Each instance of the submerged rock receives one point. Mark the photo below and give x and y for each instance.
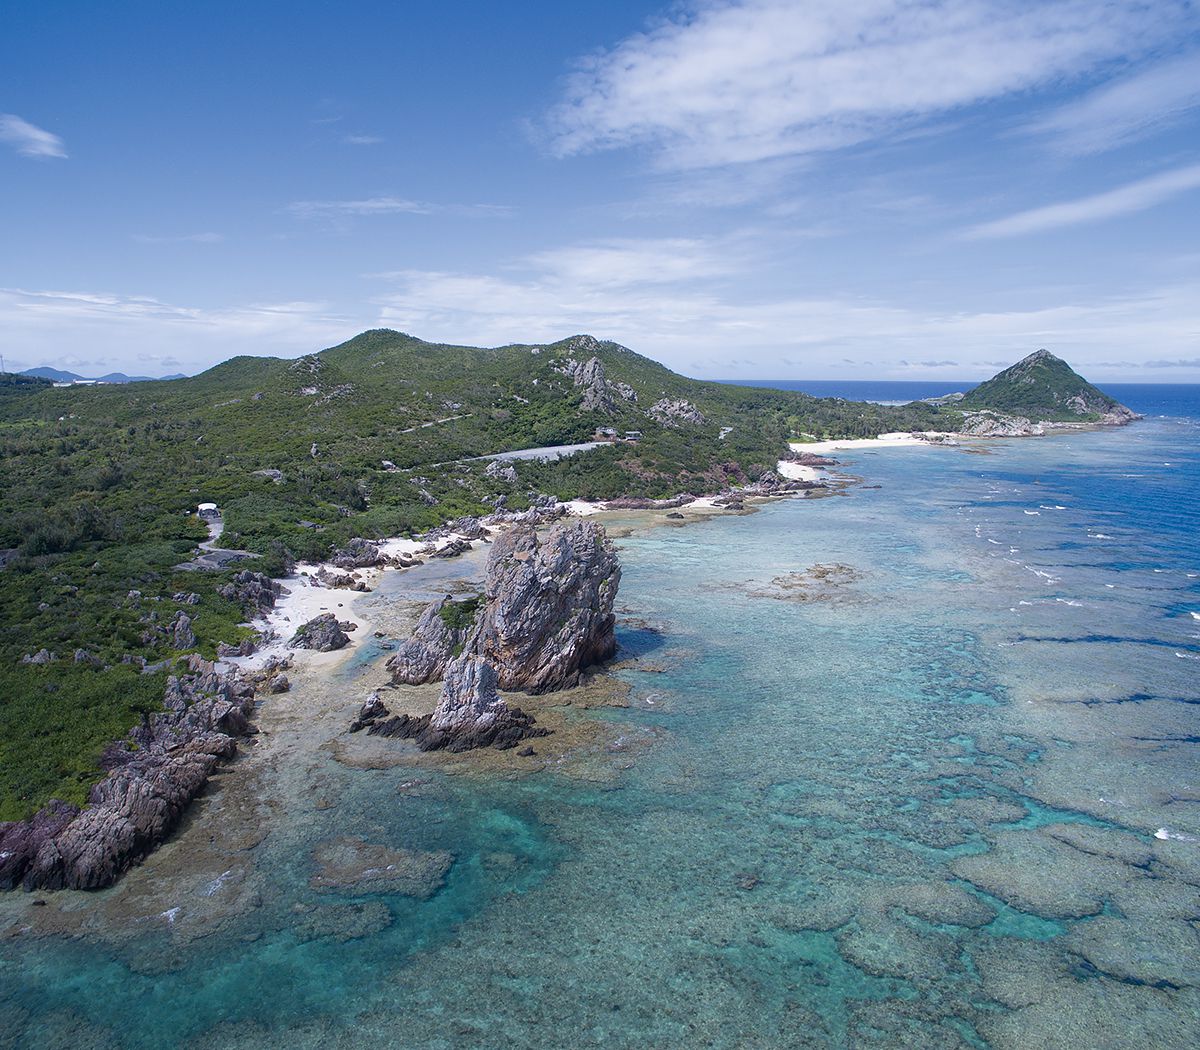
(366, 867)
(323, 634)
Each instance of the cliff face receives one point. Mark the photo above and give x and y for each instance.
(547, 610)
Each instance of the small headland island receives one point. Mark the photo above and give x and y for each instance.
(175, 553)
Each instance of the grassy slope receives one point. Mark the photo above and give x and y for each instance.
(1039, 388)
(98, 483)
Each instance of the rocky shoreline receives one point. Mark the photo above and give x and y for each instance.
(152, 777)
(544, 620)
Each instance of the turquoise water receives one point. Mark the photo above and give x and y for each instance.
(918, 810)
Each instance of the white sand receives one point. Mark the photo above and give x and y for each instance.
(931, 438)
(307, 599)
(797, 471)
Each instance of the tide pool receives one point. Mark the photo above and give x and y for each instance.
(917, 803)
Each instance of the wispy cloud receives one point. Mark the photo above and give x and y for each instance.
(187, 238)
(114, 326)
(1125, 200)
(374, 206)
(701, 328)
(1124, 111)
(28, 139)
(735, 81)
(363, 140)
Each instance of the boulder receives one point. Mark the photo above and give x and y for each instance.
(182, 635)
(324, 634)
(253, 591)
(357, 554)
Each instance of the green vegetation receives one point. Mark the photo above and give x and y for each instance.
(459, 616)
(374, 438)
(1043, 388)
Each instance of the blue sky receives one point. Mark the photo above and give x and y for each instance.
(829, 189)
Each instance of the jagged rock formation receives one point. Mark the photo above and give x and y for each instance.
(423, 656)
(323, 633)
(671, 412)
(253, 591)
(470, 714)
(357, 554)
(598, 390)
(153, 775)
(546, 612)
(182, 635)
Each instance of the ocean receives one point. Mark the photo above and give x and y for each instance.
(913, 765)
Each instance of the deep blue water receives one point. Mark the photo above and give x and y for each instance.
(1175, 399)
(950, 799)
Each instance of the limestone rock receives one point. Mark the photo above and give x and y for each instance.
(153, 775)
(182, 635)
(357, 554)
(324, 634)
(253, 591)
(424, 656)
(671, 412)
(548, 605)
(470, 714)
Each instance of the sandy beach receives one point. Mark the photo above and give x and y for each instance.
(895, 440)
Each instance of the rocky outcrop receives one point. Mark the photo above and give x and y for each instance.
(324, 634)
(997, 424)
(470, 714)
(598, 390)
(357, 554)
(671, 412)
(253, 591)
(498, 470)
(153, 775)
(182, 635)
(423, 656)
(546, 612)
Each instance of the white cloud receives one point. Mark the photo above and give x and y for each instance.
(704, 333)
(1125, 200)
(1125, 110)
(362, 140)
(28, 139)
(626, 262)
(334, 210)
(731, 82)
(118, 329)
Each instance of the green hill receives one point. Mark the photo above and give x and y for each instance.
(1043, 388)
(375, 437)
